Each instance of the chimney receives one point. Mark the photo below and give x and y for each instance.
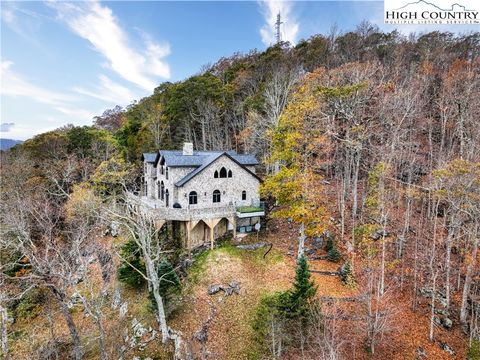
(187, 149)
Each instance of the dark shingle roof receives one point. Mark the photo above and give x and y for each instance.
(175, 158)
(149, 157)
(199, 169)
(199, 160)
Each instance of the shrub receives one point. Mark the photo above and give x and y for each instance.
(270, 323)
(280, 315)
(346, 274)
(29, 306)
(333, 254)
(474, 350)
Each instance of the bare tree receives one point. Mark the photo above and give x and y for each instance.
(143, 228)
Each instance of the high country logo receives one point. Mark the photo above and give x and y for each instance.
(425, 12)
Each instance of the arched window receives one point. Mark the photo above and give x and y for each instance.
(223, 172)
(192, 198)
(216, 196)
(244, 195)
(166, 172)
(166, 198)
(215, 175)
(229, 173)
(162, 190)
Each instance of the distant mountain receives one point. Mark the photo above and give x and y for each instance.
(6, 144)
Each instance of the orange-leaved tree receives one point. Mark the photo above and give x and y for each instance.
(297, 146)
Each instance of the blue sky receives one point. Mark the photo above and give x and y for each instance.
(65, 62)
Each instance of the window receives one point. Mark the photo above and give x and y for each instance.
(216, 174)
(244, 195)
(161, 169)
(162, 191)
(166, 172)
(166, 198)
(216, 196)
(159, 190)
(230, 173)
(192, 198)
(223, 172)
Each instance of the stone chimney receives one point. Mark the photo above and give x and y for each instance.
(187, 149)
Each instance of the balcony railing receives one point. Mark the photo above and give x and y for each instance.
(185, 214)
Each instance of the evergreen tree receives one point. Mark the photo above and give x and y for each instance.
(126, 273)
(332, 252)
(303, 291)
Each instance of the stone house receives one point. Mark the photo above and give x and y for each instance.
(202, 194)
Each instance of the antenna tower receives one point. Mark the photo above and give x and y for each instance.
(277, 29)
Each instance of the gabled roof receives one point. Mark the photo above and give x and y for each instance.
(149, 157)
(210, 160)
(175, 158)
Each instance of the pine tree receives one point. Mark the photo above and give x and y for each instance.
(126, 273)
(304, 289)
(332, 252)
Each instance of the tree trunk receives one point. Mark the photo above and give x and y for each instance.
(301, 241)
(468, 280)
(77, 345)
(448, 252)
(3, 332)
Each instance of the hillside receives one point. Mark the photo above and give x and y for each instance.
(369, 153)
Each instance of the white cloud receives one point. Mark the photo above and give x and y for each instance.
(6, 127)
(15, 85)
(98, 25)
(109, 91)
(289, 28)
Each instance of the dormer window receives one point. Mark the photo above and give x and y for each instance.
(223, 172)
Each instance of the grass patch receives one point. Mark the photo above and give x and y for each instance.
(249, 209)
(198, 267)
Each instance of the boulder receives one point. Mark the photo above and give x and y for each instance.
(114, 229)
(447, 323)
(252, 246)
(138, 329)
(447, 348)
(201, 335)
(116, 298)
(213, 289)
(233, 287)
(421, 353)
(317, 242)
(378, 234)
(123, 309)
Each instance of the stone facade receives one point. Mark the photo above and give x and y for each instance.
(202, 198)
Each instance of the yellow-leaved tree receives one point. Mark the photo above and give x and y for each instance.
(296, 155)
